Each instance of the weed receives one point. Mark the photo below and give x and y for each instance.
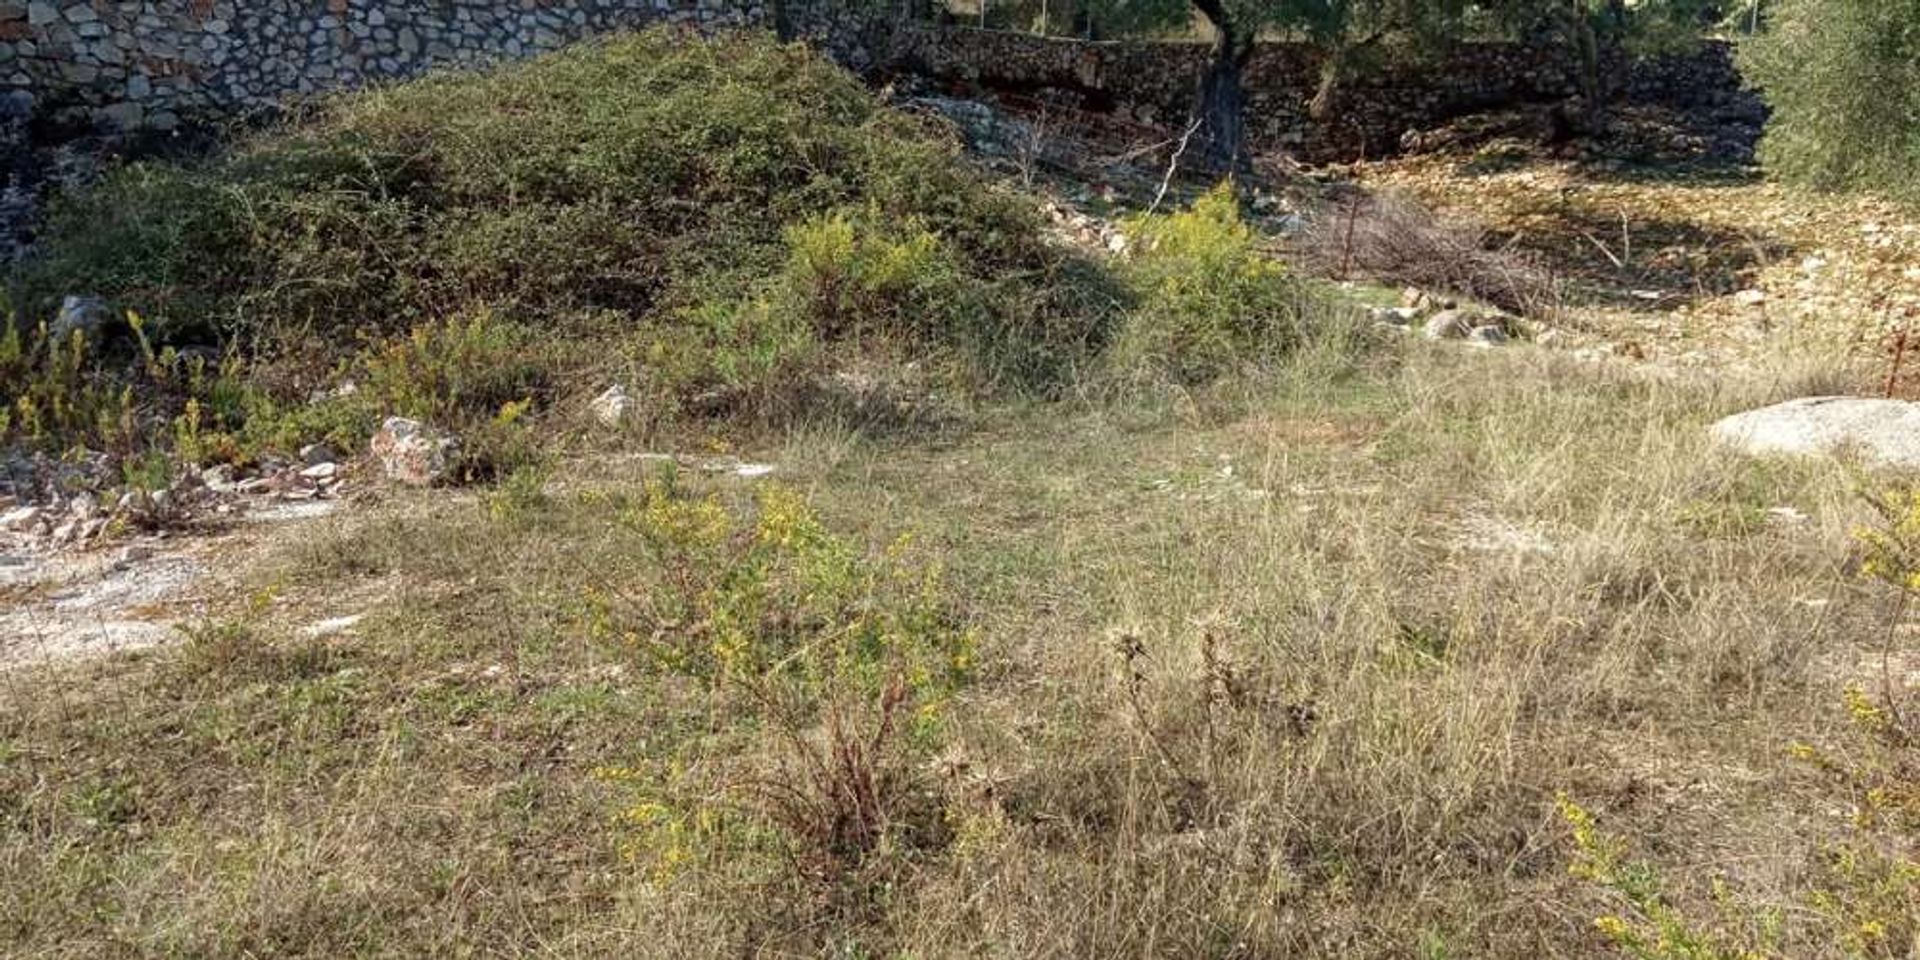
(852, 660)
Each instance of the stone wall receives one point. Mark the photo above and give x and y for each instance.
(135, 63)
(1153, 83)
(124, 64)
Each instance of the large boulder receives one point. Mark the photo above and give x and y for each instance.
(1884, 433)
(413, 453)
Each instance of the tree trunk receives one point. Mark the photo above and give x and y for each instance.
(1219, 110)
(1578, 30)
(1325, 96)
(782, 21)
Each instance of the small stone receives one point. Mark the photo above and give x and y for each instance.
(612, 407)
(413, 453)
(334, 626)
(1750, 298)
(1487, 336)
(1445, 325)
(321, 471)
(20, 519)
(89, 315)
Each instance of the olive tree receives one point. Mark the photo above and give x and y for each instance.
(1843, 79)
(1340, 29)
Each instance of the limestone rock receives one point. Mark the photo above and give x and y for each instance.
(20, 519)
(413, 453)
(1487, 335)
(1446, 325)
(612, 407)
(89, 315)
(1883, 433)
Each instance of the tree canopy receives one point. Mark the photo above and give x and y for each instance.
(1843, 79)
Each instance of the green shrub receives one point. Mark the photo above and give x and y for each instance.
(610, 176)
(1843, 79)
(853, 658)
(53, 394)
(1206, 299)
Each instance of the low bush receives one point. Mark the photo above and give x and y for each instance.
(1206, 300)
(735, 216)
(633, 175)
(850, 659)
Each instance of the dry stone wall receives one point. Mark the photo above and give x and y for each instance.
(128, 64)
(1152, 83)
(146, 63)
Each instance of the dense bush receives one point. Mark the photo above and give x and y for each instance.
(642, 176)
(1843, 79)
(1206, 299)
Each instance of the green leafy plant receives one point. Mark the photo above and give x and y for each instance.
(1206, 298)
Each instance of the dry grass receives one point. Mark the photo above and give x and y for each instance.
(1253, 681)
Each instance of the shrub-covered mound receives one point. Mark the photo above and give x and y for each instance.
(725, 211)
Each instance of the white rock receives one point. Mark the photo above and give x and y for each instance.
(218, 477)
(1489, 335)
(321, 471)
(1446, 325)
(333, 626)
(413, 453)
(1750, 298)
(1881, 432)
(612, 407)
(314, 454)
(20, 518)
(88, 315)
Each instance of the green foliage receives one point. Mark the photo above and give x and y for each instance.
(1843, 79)
(775, 598)
(601, 178)
(1893, 543)
(737, 215)
(1648, 927)
(52, 395)
(446, 371)
(1206, 299)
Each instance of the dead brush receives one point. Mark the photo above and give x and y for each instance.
(1393, 239)
(1222, 705)
(839, 794)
